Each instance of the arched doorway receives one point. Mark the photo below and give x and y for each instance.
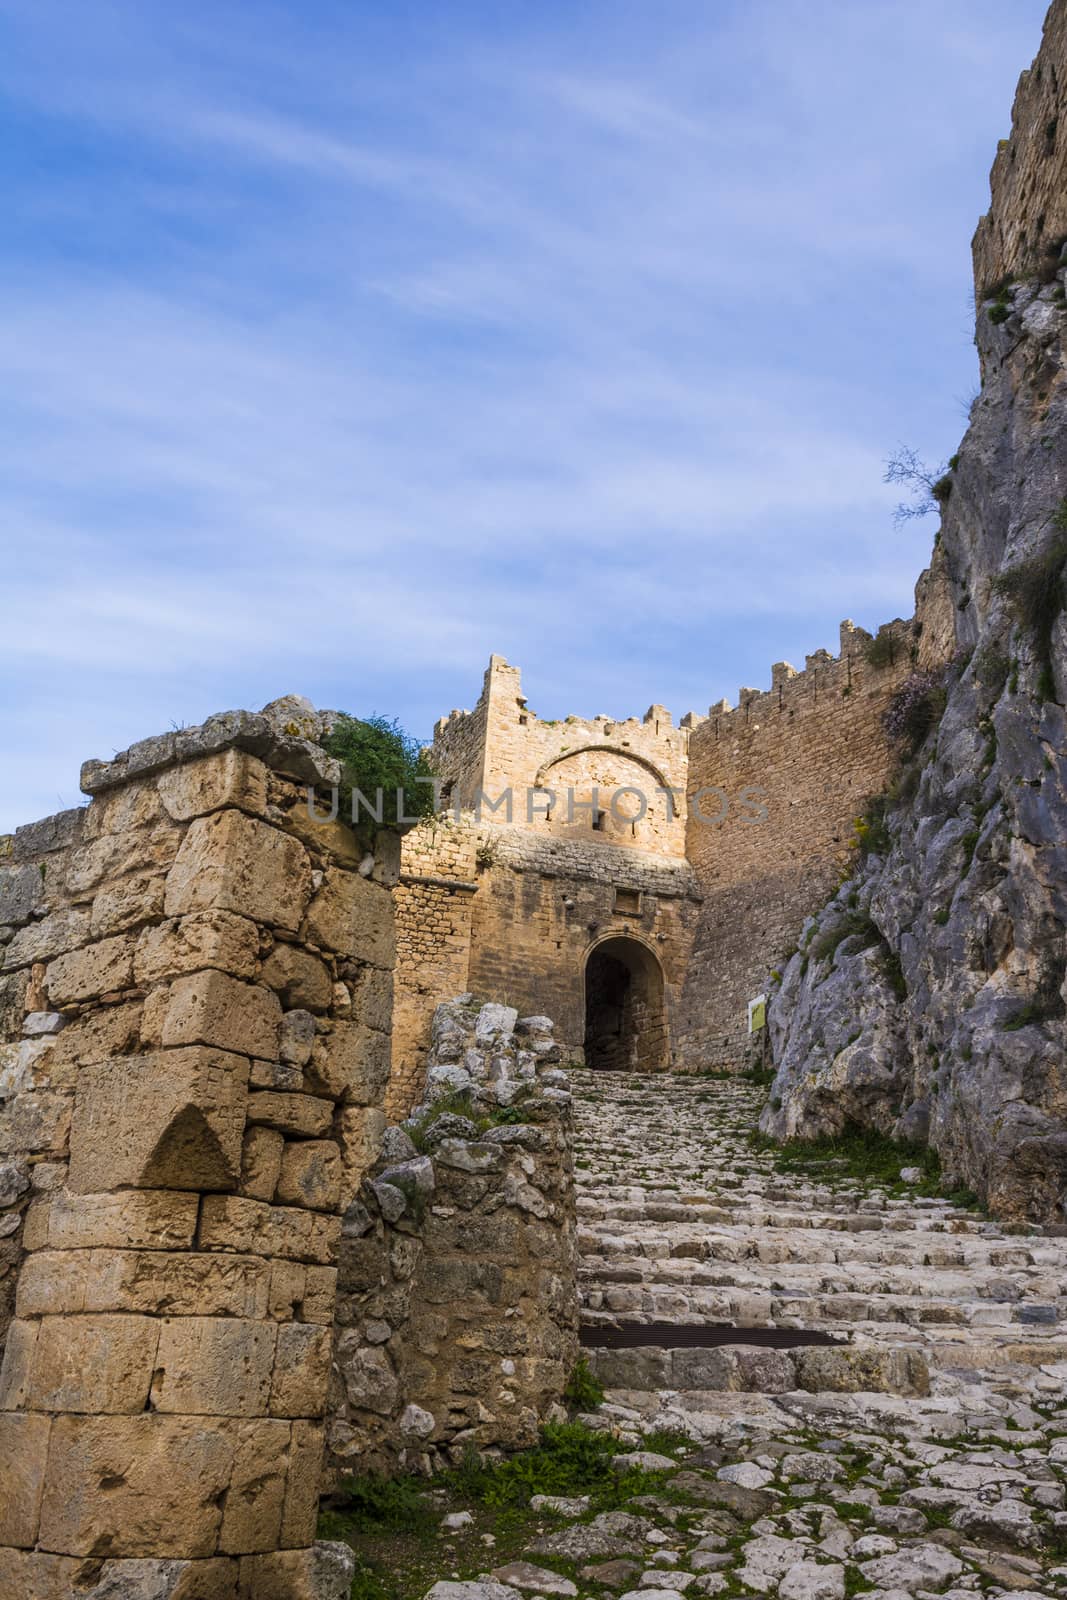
(625, 1022)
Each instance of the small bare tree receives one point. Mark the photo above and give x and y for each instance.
(929, 487)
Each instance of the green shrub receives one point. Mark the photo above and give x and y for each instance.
(376, 754)
(570, 1459)
(583, 1391)
(991, 667)
(379, 1502)
(1000, 310)
(855, 924)
(895, 973)
(1035, 591)
(881, 650)
(870, 830)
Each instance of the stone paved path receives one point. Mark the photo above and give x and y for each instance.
(682, 1221)
(927, 1458)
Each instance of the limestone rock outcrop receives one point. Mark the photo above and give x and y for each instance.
(928, 997)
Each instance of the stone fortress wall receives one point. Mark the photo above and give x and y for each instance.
(513, 909)
(1026, 224)
(815, 748)
(194, 1013)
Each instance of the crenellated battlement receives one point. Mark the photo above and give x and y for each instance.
(824, 679)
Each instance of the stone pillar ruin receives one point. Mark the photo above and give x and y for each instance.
(195, 996)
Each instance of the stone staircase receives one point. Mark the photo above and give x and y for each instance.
(683, 1222)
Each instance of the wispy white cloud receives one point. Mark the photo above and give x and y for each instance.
(338, 356)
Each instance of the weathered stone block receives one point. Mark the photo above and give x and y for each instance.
(372, 998)
(170, 1119)
(301, 1509)
(134, 806)
(214, 1366)
(229, 778)
(16, 1370)
(311, 1175)
(261, 1162)
(351, 1062)
(276, 1075)
(212, 1008)
(297, 1037)
(302, 1294)
(21, 891)
(187, 944)
(152, 1282)
(361, 1130)
(23, 1453)
(116, 855)
(136, 1486)
(229, 1222)
(100, 968)
(301, 1370)
(304, 1115)
(152, 1220)
(52, 1281)
(13, 989)
(60, 931)
(252, 1518)
(353, 916)
(106, 1032)
(231, 862)
(299, 978)
(36, 1120)
(57, 832)
(852, 1370)
(37, 1575)
(288, 1284)
(323, 1572)
(97, 1364)
(369, 1379)
(632, 1369)
(127, 903)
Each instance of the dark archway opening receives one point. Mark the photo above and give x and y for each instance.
(625, 1022)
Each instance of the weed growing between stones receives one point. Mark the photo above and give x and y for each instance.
(859, 1153)
(406, 1531)
(583, 1391)
(482, 1114)
(870, 830)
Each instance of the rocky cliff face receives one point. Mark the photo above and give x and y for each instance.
(928, 997)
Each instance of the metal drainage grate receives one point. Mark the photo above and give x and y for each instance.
(685, 1336)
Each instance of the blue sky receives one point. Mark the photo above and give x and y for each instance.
(344, 344)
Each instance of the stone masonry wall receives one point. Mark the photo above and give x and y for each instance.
(542, 906)
(502, 745)
(718, 903)
(195, 999)
(1025, 228)
(457, 1309)
(815, 748)
(433, 938)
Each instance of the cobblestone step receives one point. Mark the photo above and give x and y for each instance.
(683, 1220)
